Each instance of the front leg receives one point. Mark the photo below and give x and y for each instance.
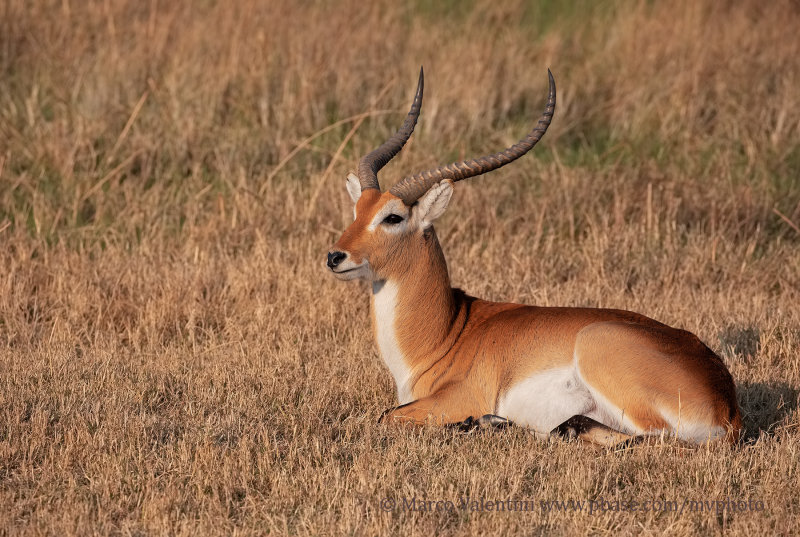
(422, 411)
(441, 408)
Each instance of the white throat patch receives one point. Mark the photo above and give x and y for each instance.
(384, 296)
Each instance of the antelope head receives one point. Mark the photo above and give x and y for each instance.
(390, 227)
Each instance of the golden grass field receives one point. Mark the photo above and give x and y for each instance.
(175, 359)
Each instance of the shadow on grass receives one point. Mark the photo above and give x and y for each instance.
(766, 407)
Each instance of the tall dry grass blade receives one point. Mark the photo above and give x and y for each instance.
(304, 143)
(128, 124)
(337, 155)
(786, 219)
(111, 174)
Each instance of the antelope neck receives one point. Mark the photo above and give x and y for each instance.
(414, 317)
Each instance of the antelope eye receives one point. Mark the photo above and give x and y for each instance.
(393, 219)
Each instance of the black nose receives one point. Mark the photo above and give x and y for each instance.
(334, 258)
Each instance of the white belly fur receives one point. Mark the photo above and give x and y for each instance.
(384, 301)
(546, 399)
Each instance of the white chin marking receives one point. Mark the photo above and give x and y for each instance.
(351, 271)
(351, 274)
(385, 300)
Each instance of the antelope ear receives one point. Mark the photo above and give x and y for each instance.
(353, 187)
(432, 205)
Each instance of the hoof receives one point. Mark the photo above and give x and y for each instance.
(465, 426)
(487, 421)
(495, 422)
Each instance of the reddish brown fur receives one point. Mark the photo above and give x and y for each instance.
(465, 352)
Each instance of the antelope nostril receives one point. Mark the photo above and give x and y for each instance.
(334, 258)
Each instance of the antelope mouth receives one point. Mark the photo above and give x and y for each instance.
(351, 273)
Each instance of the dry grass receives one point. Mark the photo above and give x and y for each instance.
(174, 358)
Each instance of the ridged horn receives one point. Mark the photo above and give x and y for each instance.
(370, 164)
(410, 188)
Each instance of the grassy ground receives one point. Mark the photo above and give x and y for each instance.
(174, 358)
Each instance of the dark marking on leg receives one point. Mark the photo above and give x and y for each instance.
(594, 432)
(388, 410)
(495, 422)
(487, 421)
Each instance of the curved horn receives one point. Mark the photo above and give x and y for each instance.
(370, 164)
(412, 187)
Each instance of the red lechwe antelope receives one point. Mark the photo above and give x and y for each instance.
(605, 375)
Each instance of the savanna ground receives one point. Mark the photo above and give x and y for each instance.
(174, 358)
